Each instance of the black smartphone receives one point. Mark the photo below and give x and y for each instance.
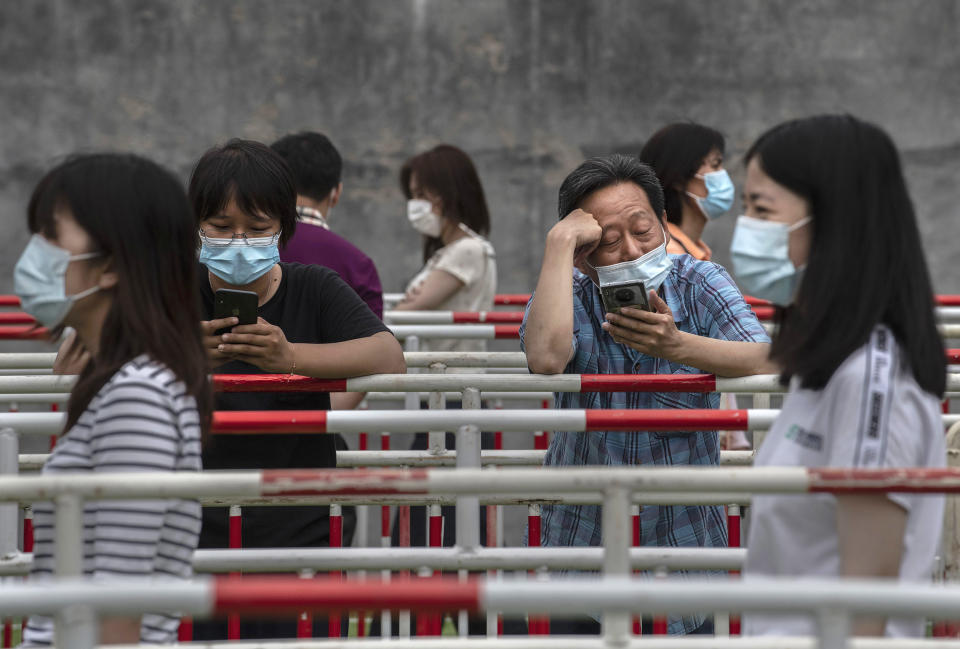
(229, 303)
(624, 294)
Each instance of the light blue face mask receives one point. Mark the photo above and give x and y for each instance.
(239, 261)
(720, 193)
(651, 269)
(761, 260)
(39, 280)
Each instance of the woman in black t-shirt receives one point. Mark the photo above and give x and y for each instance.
(310, 323)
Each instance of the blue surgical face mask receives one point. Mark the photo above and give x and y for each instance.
(651, 269)
(761, 260)
(239, 261)
(39, 280)
(720, 192)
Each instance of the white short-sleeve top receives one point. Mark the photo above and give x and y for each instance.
(471, 259)
(871, 414)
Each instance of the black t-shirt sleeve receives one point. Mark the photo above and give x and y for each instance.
(344, 316)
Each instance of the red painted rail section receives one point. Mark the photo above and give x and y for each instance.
(278, 595)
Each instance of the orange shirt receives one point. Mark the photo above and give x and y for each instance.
(680, 243)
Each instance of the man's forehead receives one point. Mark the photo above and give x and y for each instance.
(622, 200)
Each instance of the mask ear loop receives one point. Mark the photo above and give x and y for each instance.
(799, 224)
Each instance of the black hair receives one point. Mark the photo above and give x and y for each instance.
(866, 264)
(448, 172)
(138, 216)
(604, 171)
(250, 173)
(675, 152)
(314, 161)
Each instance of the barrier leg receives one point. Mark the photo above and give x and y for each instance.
(616, 524)
(28, 546)
(75, 627)
(660, 620)
(635, 542)
(235, 542)
(536, 624)
(336, 541)
(468, 507)
(403, 522)
(495, 535)
(386, 617)
(430, 623)
(493, 618)
(733, 541)
(361, 535)
(411, 401)
(9, 512)
(834, 628)
(53, 438)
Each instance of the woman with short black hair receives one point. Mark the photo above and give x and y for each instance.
(688, 161)
(858, 344)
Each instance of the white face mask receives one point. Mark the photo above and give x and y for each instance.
(651, 269)
(760, 252)
(422, 217)
(39, 279)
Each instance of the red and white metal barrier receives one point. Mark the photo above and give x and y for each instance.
(761, 383)
(521, 299)
(421, 332)
(501, 299)
(320, 560)
(277, 483)
(449, 317)
(242, 422)
(945, 314)
(825, 599)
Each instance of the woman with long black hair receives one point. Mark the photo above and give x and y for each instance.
(112, 257)
(830, 236)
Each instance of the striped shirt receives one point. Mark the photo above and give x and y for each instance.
(704, 301)
(140, 420)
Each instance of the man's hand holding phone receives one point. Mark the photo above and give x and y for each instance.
(649, 332)
(212, 340)
(261, 344)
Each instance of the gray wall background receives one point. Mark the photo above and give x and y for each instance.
(527, 87)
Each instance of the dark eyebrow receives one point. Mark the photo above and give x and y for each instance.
(753, 196)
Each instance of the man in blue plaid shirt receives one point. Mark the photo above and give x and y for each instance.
(612, 229)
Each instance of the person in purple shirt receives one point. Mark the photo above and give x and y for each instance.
(316, 167)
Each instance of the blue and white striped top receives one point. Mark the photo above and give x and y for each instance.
(140, 420)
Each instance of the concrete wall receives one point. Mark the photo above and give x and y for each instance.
(527, 87)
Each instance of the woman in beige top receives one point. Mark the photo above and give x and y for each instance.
(446, 204)
(688, 160)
